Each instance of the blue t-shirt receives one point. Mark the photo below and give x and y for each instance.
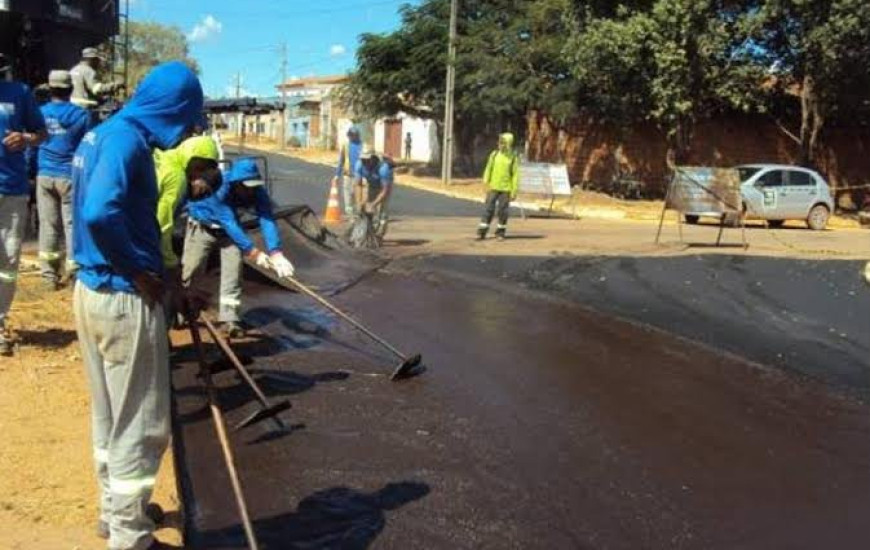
(382, 175)
(67, 124)
(18, 113)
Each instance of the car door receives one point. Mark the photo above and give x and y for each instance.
(770, 185)
(798, 193)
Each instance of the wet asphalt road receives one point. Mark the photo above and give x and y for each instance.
(540, 423)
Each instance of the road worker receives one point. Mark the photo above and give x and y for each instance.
(119, 292)
(87, 90)
(501, 178)
(373, 185)
(67, 125)
(344, 172)
(214, 222)
(21, 126)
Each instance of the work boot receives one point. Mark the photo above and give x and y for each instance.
(481, 233)
(500, 234)
(153, 511)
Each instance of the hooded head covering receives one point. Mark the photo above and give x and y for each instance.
(199, 147)
(166, 104)
(507, 140)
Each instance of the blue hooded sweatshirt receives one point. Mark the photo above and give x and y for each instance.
(115, 231)
(219, 210)
(19, 112)
(67, 125)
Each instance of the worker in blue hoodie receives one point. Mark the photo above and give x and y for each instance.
(66, 124)
(213, 222)
(119, 288)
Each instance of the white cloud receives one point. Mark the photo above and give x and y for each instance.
(337, 50)
(205, 29)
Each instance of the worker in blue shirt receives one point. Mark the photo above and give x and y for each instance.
(21, 126)
(213, 222)
(67, 125)
(344, 172)
(118, 295)
(373, 184)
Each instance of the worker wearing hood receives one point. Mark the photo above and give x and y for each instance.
(502, 179)
(117, 299)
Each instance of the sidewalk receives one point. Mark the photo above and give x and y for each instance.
(583, 204)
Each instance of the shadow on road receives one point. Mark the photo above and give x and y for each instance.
(337, 518)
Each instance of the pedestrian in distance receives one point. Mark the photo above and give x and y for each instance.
(347, 160)
(408, 143)
(213, 222)
(501, 178)
(88, 92)
(21, 126)
(66, 124)
(118, 297)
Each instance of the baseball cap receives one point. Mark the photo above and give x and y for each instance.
(368, 154)
(59, 79)
(246, 172)
(91, 53)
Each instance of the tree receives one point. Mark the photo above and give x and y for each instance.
(670, 61)
(151, 44)
(821, 50)
(508, 61)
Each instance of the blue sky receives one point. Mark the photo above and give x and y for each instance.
(243, 36)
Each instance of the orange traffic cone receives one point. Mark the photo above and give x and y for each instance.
(333, 211)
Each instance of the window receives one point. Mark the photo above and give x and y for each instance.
(801, 179)
(746, 172)
(774, 178)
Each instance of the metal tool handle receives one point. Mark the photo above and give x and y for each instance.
(221, 429)
(305, 290)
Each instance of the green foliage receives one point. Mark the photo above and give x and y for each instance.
(151, 44)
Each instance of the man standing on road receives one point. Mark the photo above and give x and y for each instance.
(67, 125)
(501, 178)
(373, 185)
(21, 126)
(119, 292)
(408, 143)
(213, 222)
(87, 90)
(347, 160)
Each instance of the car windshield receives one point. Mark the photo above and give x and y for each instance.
(747, 172)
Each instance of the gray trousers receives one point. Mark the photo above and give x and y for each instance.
(347, 195)
(199, 241)
(126, 357)
(497, 202)
(54, 204)
(13, 220)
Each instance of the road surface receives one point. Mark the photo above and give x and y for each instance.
(542, 423)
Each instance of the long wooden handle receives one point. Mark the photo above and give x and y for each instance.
(221, 429)
(234, 359)
(319, 299)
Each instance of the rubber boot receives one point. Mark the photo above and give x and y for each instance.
(481, 232)
(500, 233)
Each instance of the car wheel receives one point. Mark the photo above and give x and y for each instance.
(775, 224)
(691, 219)
(818, 217)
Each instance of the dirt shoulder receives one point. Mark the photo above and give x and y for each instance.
(582, 204)
(48, 492)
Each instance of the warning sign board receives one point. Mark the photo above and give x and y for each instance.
(540, 178)
(705, 190)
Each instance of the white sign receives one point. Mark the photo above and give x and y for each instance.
(540, 178)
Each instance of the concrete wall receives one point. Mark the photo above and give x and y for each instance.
(424, 137)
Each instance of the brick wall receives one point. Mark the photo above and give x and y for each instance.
(593, 150)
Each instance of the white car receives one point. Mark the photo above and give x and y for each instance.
(776, 193)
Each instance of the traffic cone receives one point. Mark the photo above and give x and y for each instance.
(333, 211)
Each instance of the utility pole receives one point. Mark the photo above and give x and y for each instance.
(241, 117)
(447, 144)
(283, 140)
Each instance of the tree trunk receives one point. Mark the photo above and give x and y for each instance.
(812, 122)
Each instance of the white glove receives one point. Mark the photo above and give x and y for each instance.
(282, 265)
(867, 273)
(261, 259)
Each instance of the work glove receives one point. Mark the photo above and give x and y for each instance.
(260, 258)
(867, 273)
(282, 265)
